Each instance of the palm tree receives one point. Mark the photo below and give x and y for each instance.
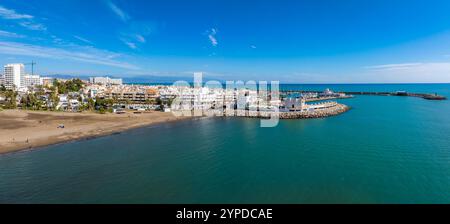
(10, 97)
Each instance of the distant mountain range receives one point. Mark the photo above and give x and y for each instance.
(135, 79)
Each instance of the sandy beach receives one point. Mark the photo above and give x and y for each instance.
(21, 129)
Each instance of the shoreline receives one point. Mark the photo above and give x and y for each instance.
(87, 138)
(34, 130)
(37, 129)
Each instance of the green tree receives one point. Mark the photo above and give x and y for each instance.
(103, 105)
(10, 99)
(54, 99)
(158, 101)
(169, 102)
(31, 101)
(90, 104)
(151, 101)
(73, 85)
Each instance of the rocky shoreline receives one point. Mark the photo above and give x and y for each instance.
(327, 112)
(318, 113)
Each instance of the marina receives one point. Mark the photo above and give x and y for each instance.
(224, 111)
(369, 154)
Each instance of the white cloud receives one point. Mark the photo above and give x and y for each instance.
(253, 46)
(23, 20)
(401, 66)
(136, 33)
(213, 40)
(10, 34)
(57, 40)
(132, 40)
(11, 14)
(411, 72)
(33, 26)
(130, 44)
(119, 12)
(212, 37)
(140, 38)
(83, 39)
(76, 53)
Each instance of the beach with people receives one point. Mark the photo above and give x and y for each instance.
(22, 129)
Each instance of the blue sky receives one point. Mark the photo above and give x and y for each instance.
(290, 41)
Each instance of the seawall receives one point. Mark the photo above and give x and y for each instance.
(317, 113)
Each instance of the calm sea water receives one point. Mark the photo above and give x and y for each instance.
(385, 150)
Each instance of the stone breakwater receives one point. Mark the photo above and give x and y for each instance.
(334, 110)
(318, 113)
(427, 96)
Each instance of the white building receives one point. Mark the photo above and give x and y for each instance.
(63, 102)
(2, 79)
(31, 80)
(105, 81)
(47, 81)
(329, 93)
(14, 74)
(295, 104)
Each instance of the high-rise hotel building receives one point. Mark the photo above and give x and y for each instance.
(14, 76)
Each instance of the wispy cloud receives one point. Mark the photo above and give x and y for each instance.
(12, 14)
(412, 72)
(33, 26)
(83, 39)
(252, 46)
(212, 37)
(23, 20)
(57, 40)
(400, 66)
(132, 40)
(10, 34)
(75, 53)
(140, 38)
(118, 11)
(135, 34)
(130, 44)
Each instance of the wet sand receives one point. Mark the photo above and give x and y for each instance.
(21, 129)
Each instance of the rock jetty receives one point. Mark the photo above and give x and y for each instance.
(317, 113)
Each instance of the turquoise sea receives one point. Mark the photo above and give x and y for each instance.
(385, 150)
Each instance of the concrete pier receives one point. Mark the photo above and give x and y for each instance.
(426, 96)
(334, 110)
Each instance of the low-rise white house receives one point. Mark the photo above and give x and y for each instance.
(63, 102)
(74, 104)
